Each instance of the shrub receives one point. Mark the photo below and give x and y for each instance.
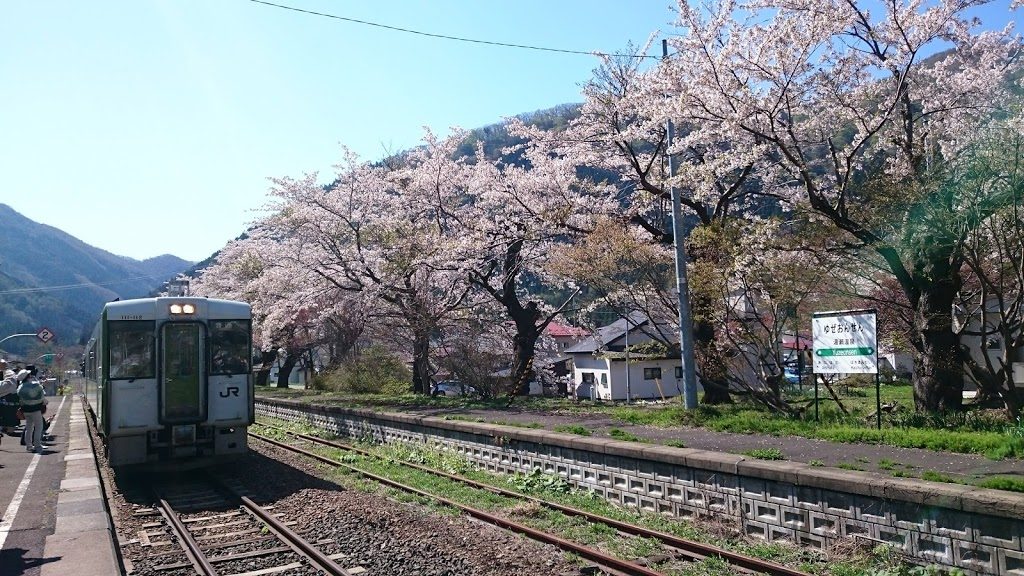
(373, 371)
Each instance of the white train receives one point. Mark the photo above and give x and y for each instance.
(169, 378)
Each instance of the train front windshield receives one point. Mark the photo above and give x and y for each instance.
(229, 347)
(131, 349)
(182, 369)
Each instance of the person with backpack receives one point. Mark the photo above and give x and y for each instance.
(33, 406)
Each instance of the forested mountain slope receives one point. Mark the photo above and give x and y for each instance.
(50, 278)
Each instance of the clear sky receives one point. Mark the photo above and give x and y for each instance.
(148, 127)
(151, 127)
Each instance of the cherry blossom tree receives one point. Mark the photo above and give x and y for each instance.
(618, 136)
(292, 311)
(863, 117)
(518, 209)
(990, 307)
(385, 231)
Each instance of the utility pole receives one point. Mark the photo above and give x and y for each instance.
(682, 286)
(627, 359)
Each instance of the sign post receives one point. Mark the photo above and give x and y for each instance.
(45, 335)
(845, 342)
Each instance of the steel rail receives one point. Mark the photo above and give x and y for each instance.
(195, 555)
(696, 550)
(300, 545)
(616, 564)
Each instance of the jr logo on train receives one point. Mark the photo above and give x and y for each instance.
(170, 378)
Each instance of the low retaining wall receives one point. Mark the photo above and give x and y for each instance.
(978, 530)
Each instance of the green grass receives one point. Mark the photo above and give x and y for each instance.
(1014, 484)
(624, 436)
(969, 432)
(765, 454)
(933, 476)
(573, 429)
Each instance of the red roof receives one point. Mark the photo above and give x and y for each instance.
(556, 329)
(798, 343)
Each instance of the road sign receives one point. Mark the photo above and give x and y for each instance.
(845, 342)
(45, 335)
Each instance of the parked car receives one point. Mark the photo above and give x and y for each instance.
(792, 375)
(451, 388)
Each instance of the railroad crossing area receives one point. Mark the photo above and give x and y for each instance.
(54, 519)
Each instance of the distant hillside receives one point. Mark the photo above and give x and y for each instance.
(50, 278)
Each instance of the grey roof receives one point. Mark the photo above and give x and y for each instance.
(605, 336)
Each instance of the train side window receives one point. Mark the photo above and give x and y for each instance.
(229, 346)
(132, 347)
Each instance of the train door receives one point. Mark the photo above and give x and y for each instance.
(182, 373)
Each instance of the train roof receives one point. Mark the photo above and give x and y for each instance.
(160, 307)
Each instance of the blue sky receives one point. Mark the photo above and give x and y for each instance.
(151, 127)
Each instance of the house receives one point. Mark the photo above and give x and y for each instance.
(603, 370)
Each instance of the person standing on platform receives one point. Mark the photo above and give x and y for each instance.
(8, 385)
(8, 401)
(33, 406)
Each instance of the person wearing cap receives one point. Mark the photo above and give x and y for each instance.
(33, 405)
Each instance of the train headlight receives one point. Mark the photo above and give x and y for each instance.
(183, 309)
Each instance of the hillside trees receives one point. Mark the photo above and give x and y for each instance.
(846, 99)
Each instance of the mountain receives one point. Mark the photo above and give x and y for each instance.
(50, 278)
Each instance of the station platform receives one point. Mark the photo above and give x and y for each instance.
(54, 519)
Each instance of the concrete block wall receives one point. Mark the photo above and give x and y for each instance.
(977, 530)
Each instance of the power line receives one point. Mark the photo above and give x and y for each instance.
(79, 285)
(443, 36)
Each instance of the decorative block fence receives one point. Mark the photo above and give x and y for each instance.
(978, 530)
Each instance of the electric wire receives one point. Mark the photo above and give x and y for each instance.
(78, 285)
(444, 36)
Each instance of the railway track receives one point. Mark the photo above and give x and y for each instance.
(674, 546)
(205, 526)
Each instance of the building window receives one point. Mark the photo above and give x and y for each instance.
(679, 371)
(652, 373)
(604, 380)
(588, 378)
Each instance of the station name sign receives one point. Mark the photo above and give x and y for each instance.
(845, 342)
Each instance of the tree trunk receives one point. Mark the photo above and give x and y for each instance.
(286, 370)
(421, 362)
(708, 356)
(267, 358)
(711, 367)
(938, 374)
(524, 349)
(524, 345)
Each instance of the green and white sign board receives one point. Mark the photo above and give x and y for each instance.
(845, 342)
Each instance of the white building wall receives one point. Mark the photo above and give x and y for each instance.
(610, 379)
(584, 364)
